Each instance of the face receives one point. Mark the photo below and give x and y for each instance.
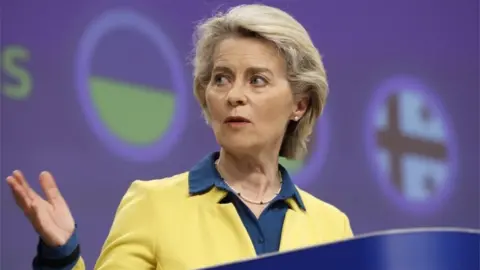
(249, 99)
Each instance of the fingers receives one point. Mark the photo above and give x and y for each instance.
(18, 175)
(26, 196)
(20, 179)
(20, 194)
(49, 187)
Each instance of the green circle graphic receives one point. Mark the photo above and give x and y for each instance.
(149, 112)
(138, 122)
(291, 165)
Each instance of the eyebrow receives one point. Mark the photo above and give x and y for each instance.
(250, 70)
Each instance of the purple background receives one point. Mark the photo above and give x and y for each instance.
(363, 44)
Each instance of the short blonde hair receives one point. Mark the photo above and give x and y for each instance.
(305, 70)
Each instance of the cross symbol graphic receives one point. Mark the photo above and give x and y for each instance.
(430, 184)
(398, 144)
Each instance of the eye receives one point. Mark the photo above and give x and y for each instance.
(220, 79)
(258, 80)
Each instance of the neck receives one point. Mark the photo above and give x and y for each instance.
(257, 175)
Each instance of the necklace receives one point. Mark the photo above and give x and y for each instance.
(239, 194)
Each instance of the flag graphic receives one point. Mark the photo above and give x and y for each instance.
(412, 145)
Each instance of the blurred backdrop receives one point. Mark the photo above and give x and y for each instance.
(100, 94)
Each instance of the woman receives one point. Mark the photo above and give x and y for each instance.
(261, 84)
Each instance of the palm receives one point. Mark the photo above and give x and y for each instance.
(51, 218)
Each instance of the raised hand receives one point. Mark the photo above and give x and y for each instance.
(51, 218)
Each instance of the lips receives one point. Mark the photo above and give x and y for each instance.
(236, 119)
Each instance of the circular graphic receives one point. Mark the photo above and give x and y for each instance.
(108, 111)
(305, 172)
(411, 144)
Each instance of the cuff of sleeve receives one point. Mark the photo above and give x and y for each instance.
(59, 252)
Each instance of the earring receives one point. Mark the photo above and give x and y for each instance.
(296, 118)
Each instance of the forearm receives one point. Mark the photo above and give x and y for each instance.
(129, 244)
(65, 257)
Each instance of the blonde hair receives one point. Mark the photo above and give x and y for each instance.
(305, 70)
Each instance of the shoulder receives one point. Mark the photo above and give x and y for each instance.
(165, 188)
(327, 217)
(320, 208)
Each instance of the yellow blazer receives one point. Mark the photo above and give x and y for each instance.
(158, 225)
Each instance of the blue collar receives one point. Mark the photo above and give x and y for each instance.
(204, 176)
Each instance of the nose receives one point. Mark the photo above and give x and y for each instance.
(236, 96)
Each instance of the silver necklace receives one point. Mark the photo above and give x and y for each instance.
(239, 194)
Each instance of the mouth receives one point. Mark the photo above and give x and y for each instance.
(236, 120)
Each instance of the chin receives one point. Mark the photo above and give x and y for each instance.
(237, 144)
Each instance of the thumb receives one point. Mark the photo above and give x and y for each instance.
(49, 187)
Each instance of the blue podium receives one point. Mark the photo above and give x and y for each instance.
(422, 249)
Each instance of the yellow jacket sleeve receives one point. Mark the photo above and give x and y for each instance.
(80, 265)
(130, 243)
(348, 233)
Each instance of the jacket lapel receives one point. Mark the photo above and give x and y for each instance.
(296, 232)
(228, 225)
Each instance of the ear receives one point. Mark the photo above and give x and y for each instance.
(300, 107)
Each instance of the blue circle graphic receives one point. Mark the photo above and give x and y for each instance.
(312, 167)
(411, 144)
(119, 19)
